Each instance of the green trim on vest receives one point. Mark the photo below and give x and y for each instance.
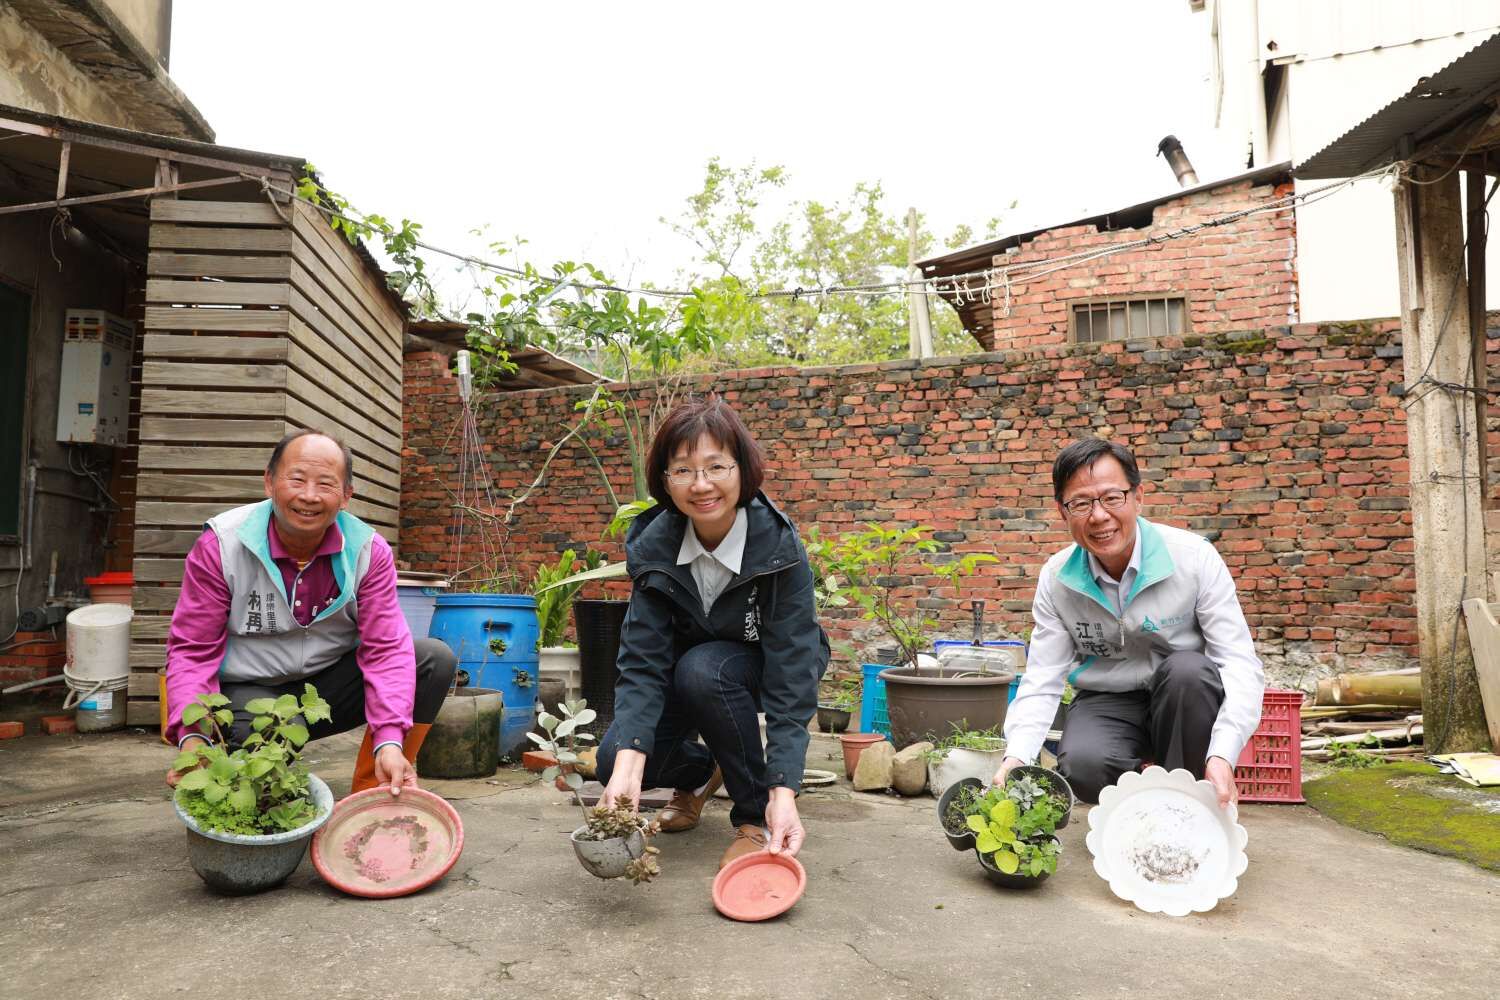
(1156, 561)
(1156, 565)
(254, 534)
(1073, 677)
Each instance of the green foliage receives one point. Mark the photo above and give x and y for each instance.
(561, 741)
(844, 693)
(811, 245)
(554, 604)
(1351, 753)
(1015, 827)
(985, 740)
(262, 786)
(878, 562)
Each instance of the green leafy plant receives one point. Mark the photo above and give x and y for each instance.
(1015, 827)
(878, 562)
(842, 694)
(560, 738)
(1351, 753)
(555, 603)
(956, 816)
(521, 677)
(261, 787)
(984, 740)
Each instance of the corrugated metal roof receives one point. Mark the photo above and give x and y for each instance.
(1454, 96)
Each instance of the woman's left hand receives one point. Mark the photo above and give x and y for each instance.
(783, 823)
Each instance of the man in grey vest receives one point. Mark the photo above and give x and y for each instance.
(296, 590)
(1143, 620)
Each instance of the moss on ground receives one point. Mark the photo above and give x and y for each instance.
(1413, 805)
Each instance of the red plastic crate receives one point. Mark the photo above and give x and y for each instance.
(1270, 766)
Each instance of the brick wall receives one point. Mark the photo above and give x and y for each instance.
(1238, 276)
(1286, 448)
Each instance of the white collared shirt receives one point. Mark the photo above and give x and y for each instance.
(712, 571)
(1114, 589)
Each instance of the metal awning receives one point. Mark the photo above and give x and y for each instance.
(1450, 113)
(538, 368)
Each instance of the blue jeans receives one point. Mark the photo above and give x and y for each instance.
(714, 691)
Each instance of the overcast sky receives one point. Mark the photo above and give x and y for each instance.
(576, 125)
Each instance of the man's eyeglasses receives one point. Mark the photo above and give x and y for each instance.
(1109, 500)
(682, 475)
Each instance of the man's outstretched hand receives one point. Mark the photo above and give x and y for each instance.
(1221, 774)
(394, 771)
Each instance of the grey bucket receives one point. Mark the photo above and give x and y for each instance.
(238, 864)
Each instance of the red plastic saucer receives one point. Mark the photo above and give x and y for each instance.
(380, 845)
(759, 886)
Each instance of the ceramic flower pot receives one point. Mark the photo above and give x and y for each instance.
(832, 719)
(963, 840)
(607, 858)
(238, 864)
(960, 763)
(853, 745)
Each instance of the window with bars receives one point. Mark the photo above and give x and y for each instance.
(1129, 319)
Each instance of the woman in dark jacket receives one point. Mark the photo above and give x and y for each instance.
(721, 626)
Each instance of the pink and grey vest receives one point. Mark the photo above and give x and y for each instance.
(265, 643)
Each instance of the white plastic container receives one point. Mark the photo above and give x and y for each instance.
(98, 667)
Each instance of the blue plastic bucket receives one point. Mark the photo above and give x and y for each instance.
(417, 605)
(494, 637)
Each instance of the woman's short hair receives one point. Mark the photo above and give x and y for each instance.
(685, 425)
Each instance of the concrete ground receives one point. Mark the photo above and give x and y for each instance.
(97, 900)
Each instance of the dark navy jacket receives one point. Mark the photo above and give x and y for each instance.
(769, 602)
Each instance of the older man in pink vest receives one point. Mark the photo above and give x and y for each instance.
(296, 590)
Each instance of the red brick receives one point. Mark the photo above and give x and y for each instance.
(58, 725)
(10, 730)
(537, 760)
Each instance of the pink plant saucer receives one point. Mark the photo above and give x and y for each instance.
(378, 845)
(759, 886)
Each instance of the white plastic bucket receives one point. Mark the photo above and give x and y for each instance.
(98, 668)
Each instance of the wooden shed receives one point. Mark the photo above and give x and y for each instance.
(258, 318)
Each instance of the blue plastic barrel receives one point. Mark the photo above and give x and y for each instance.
(494, 637)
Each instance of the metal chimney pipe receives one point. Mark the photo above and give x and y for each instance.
(1178, 161)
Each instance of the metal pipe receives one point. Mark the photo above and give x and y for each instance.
(1181, 166)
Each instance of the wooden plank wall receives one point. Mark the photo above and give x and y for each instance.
(255, 325)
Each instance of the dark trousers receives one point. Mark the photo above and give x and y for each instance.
(343, 687)
(1169, 724)
(715, 692)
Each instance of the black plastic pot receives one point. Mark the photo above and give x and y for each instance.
(598, 624)
(1016, 881)
(832, 719)
(958, 841)
(929, 704)
(1057, 781)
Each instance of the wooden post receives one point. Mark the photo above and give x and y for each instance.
(1446, 501)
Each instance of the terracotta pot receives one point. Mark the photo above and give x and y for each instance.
(854, 744)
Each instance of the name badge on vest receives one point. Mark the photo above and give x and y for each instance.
(1100, 640)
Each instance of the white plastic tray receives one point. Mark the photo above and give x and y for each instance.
(1161, 841)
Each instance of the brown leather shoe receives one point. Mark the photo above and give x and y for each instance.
(682, 812)
(747, 840)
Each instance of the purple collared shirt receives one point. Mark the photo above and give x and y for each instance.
(200, 629)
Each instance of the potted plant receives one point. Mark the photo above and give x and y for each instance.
(554, 609)
(835, 710)
(612, 841)
(250, 812)
(1015, 831)
(964, 753)
(877, 562)
(954, 805)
